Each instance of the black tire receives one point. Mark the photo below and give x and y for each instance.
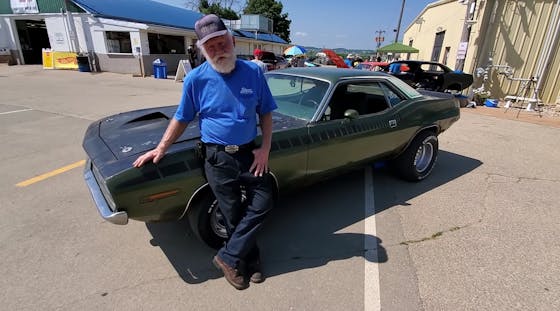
(206, 220)
(419, 158)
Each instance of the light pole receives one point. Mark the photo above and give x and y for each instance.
(400, 19)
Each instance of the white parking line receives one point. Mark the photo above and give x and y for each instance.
(14, 111)
(372, 299)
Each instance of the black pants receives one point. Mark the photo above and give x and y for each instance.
(227, 174)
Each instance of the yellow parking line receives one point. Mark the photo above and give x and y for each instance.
(61, 170)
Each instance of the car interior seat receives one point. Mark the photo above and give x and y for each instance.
(338, 103)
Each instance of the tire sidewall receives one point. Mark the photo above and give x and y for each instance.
(404, 164)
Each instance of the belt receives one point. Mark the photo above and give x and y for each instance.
(230, 148)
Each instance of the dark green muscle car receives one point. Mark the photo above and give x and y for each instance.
(328, 121)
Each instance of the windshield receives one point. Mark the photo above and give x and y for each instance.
(296, 96)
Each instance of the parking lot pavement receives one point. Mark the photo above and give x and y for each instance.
(546, 117)
(478, 234)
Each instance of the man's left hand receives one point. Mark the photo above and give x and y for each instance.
(260, 164)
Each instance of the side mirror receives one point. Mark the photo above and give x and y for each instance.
(351, 114)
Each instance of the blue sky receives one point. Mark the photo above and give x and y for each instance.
(345, 24)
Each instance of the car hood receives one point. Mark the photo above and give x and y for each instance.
(138, 131)
(135, 132)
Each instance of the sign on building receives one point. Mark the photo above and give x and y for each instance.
(24, 6)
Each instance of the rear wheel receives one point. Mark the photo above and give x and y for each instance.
(418, 160)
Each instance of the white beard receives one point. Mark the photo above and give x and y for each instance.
(224, 63)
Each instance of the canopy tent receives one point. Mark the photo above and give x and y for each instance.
(397, 48)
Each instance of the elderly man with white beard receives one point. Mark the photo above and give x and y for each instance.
(228, 94)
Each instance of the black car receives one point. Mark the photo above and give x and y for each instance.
(430, 75)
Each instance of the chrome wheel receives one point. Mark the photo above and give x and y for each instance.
(424, 155)
(217, 221)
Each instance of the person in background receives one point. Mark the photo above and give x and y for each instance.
(301, 60)
(258, 54)
(349, 60)
(228, 94)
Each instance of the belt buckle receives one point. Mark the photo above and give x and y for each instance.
(231, 148)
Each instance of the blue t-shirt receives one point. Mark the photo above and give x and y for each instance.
(227, 104)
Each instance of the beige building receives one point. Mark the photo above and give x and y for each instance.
(510, 46)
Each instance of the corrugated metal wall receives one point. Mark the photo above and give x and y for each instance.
(5, 7)
(515, 35)
(53, 6)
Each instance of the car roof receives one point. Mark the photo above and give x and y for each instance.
(417, 62)
(329, 73)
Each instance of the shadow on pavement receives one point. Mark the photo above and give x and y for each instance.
(449, 166)
(311, 228)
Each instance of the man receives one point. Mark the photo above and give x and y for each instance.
(258, 54)
(228, 94)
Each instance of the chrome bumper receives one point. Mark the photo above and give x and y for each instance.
(118, 218)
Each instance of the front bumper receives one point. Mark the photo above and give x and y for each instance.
(118, 218)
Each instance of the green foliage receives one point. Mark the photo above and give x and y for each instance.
(273, 10)
(216, 8)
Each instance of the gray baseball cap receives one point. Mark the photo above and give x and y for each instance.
(208, 27)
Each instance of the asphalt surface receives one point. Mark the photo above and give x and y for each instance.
(479, 234)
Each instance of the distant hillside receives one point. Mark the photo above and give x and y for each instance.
(340, 51)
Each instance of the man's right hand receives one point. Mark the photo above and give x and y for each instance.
(152, 155)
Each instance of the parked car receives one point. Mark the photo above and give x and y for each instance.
(430, 75)
(328, 121)
(372, 66)
(271, 60)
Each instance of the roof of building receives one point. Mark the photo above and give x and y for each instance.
(157, 13)
(142, 11)
(259, 36)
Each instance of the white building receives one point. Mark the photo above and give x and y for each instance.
(123, 36)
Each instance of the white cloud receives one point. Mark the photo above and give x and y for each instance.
(300, 34)
(341, 36)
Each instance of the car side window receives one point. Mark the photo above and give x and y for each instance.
(365, 98)
(432, 68)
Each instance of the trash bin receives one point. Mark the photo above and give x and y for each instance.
(160, 69)
(83, 63)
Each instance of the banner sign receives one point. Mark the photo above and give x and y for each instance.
(24, 6)
(65, 60)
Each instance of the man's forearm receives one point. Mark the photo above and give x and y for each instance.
(266, 129)
(174, 130)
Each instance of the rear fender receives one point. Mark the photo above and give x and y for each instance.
(432, 128)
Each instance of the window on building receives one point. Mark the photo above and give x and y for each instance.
(118, 42)
(166, 44)
(446, 55)
(438, 43)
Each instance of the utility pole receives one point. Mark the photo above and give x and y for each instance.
(379, 38)
(400, 20)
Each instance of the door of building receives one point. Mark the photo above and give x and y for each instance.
(438, 43)
(33, 37)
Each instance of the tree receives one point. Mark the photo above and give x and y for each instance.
(222, 8)
(273, 10)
